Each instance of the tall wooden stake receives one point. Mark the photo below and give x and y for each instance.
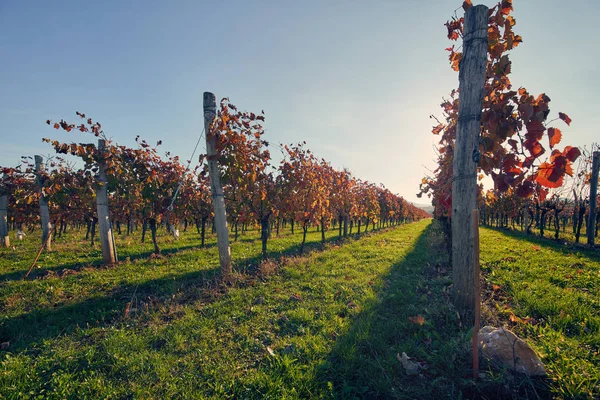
(210, 110)
(477, 304)
(44, 213)
(464, 176)
(4, 239)
(106, 237)
(591, 231)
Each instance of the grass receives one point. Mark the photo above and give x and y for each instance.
(552, 292)
(329, 324)
(565, 234)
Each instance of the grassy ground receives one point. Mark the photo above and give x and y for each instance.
(329, 324)
(552, 292)
(565, 233)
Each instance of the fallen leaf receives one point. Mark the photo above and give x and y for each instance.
(296, 297)
(417, 320)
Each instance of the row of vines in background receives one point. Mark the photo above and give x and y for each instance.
(562, 212)
(301, 191)
(518, 144)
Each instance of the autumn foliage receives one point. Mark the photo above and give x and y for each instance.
(302, 190)
(518, 148)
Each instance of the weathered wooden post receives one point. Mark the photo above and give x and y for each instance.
(4, 239)
(106, 237)
(477, 305)
(464, 176)
(591, 229)
(218, 200)
(44, 213)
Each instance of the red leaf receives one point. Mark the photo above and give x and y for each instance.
(543, 194)
(535, 129)
(506, 7)
(535, 147)
(526, 190)
(565, 118)
(526, 110)
(572, 153)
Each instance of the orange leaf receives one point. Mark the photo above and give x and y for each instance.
(554, 134)
(495, 287)
(548, 176)
(417, 320)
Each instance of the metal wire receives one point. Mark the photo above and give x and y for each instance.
(170, 208)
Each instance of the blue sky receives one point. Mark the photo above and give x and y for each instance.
(356, 80)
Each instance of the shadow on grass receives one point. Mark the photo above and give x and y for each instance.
(133, 256)
(96, 263)
(568, 248)
(366, 361)
(25, 331)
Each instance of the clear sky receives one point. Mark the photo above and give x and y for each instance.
(357, 80)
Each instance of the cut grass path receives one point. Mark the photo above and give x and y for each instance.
(330, 323)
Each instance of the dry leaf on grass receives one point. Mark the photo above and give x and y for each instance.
(417, 320)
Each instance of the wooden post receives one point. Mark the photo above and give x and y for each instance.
(591, 228)
(44, 213)
(106, 237)
(4, 239)
(464, 176)
(475, 343)
(220, 220)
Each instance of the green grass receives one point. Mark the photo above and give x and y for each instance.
(330, 324)
(558, 286)
(565, 234)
